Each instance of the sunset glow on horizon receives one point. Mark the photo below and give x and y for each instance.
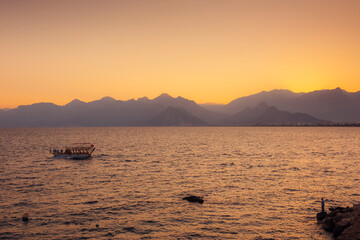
(204, 50)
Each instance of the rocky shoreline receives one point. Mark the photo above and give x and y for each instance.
(344, 223)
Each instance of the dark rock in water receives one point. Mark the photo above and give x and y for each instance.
(344, 223)
(328, 224)
(341, 226)
(321, 215)
(25, 217)
(129, 229)
(195, 199)
(91, 202)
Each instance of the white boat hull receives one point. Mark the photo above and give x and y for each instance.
(72, 156)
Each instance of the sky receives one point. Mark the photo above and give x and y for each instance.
(204, 50)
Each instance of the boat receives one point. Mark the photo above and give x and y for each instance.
(78, 151)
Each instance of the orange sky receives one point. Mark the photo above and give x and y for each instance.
(204, 50)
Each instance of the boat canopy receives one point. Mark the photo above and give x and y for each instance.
(75, 146)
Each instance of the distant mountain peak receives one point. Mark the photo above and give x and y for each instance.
(163, 96)
(75, 102)
(328, 93)
(339, 90)
(143, 99)
(281, 92)
(107, 99)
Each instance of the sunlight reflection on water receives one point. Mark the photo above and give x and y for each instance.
(257, 182)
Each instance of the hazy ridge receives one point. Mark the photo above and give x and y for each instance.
(335, 105)
(276, 107)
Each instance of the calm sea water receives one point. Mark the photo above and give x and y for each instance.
(257, 182)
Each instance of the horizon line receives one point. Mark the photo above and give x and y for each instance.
(164, 93)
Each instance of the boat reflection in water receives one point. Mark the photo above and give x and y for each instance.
(77, 151)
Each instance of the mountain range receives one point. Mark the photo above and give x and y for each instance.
(336, 105)
(276, 107)
(264, 114)
(163, 110)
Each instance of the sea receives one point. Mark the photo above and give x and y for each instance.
(257, 182)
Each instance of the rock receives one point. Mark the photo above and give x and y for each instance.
(260, 238)
(340, 210)
(129, 229)
(91, 202)
(344, 223)
(328, 224)
(340, 216)
(321, 215)
(25, 217)
(341, 226)
(97, 225)
(352, 232)
(194, 199)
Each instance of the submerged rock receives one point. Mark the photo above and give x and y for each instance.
(129, 229)
(194, 199)
(25, 217)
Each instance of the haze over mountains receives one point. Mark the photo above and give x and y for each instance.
(163, 110)
(335, 105)
(264, 114)
(277, 107)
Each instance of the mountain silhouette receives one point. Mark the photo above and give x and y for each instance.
(38, 114)
(165, 100)
(175, 116)
(334, 105)
(262, 114)
(273, 98)
(105, 112)
(282, 106)
(75, 103)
